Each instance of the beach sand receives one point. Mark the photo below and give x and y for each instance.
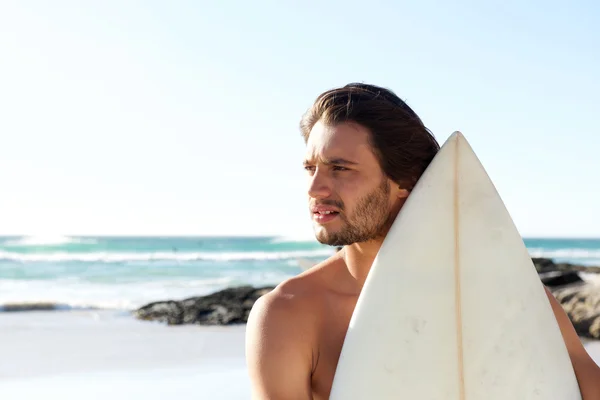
(100, 355)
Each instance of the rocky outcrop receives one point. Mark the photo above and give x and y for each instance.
(548, 265)
(20, 307)
(553, 275)
(559, 278)
(580, 300)
(582, 305)
(226, 307)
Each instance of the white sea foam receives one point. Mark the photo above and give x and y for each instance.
(73, 293)
(51, 240)
(294, 239)
(161, 256)
(573, 254)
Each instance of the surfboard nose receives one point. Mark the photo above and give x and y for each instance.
(450, 144)
(455, 136)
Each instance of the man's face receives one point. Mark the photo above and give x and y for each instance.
(350, 198)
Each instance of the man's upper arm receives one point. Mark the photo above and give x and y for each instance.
(586, 370)
(278, 351)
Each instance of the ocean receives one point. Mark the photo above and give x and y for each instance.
(123, 273)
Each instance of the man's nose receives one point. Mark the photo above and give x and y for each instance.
(320, 185)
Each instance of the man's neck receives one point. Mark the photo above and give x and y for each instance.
(359, 257)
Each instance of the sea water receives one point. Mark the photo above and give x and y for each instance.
(123, 273)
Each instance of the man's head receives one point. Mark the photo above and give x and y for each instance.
(365, 151)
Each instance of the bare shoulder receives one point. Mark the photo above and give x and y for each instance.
(295, 300)
(281, 336)
(286, 303)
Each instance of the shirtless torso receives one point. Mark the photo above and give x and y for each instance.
(294, 354)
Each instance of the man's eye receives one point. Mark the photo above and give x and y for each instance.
(338, 168)
(309, 168)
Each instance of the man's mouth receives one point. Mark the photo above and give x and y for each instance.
(322, 217)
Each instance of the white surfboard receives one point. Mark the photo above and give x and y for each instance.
(453, 308)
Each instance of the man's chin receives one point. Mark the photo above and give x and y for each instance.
(321, 234)
(328, 238)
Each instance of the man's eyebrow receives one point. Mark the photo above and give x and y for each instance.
(333, 161)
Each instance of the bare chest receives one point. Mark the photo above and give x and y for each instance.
(336, 313)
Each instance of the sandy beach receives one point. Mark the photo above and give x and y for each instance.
(103, 355)
(100, 355)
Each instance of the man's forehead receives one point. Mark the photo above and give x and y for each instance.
(347, 130)
(343, 140)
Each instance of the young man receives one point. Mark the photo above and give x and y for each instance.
(365, 150)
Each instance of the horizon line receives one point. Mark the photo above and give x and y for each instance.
(233, 235)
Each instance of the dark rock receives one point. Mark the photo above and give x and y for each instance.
(544, 265)
(560, 278)
(19, 307)
(582, 305)
(547, 265)
(226, 307)
(170, 312)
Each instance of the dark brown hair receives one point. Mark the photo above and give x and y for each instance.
(402, 144)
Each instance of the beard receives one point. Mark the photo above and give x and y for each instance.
(370, 220)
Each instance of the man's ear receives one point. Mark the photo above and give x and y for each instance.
(403, 193)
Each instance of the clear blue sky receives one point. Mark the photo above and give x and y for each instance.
(181, 117)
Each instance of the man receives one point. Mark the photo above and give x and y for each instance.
(365, 150)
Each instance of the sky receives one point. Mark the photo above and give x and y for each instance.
(181, 117)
